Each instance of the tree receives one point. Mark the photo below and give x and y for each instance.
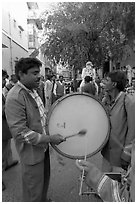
(77, 32)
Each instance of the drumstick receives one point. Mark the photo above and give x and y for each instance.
(80, 133)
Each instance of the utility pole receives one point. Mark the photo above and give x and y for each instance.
(110, 61)
(11, 57)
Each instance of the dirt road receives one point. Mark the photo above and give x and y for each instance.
(64, 183)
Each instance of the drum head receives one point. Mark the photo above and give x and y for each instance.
(76, 112)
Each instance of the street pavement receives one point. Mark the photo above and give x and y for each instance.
(64, 182)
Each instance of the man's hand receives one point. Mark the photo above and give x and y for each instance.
(91, 172)
(124, 164)
(117, 169)
(29, 137)
(82, 164)
(57, 139)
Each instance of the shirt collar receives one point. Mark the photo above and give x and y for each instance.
(24, 87)
(118, 96)
(113, 102)
(61, 82)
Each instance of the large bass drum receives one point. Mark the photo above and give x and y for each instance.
(73, 113)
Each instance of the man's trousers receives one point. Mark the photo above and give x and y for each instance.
(35, 180)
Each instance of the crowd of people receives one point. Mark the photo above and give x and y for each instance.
(26, 100)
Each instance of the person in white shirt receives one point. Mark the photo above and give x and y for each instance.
(129, 73)
(88, 71)
(53, 97)
(59, 87)
(47, 92)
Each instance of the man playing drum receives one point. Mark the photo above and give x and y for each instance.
(26, 118)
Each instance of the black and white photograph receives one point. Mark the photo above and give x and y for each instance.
(68, 101)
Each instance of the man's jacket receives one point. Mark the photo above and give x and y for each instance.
(122, 130)
(23, 117)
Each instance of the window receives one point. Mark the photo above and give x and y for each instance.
(31, 44)
(31, 38)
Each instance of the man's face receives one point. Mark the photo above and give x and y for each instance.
(108, 84)
(53, 78)
(32, 79)
(61, 79)
(3, 81)
(88, 66)
(14, 79)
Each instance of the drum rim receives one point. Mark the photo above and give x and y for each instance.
(106, 138)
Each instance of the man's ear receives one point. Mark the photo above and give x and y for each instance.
(114, 84)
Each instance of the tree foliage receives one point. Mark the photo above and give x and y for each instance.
(80, 31)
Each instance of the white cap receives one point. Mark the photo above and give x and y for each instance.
(89, 63)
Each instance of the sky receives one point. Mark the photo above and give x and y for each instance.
(19, 10)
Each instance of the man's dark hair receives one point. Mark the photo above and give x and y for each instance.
(13, 78)
(53, 75)
(48, 76)
(60, 76)
(24, 64)
(87, 79)
(119, 77)
(4, 73)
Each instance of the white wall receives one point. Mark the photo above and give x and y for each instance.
(15, 39)
(18, 11)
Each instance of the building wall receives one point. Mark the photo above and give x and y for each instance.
(34, 29)
(32, 36)
(42, 59)
(14, 37)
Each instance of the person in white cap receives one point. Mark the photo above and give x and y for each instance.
(88, 71)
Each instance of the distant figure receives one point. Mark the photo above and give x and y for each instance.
(129, 73)
(10, 84)
(98, 81)
(53, 80)
(40, 89)
(48, 91)
(89, 86)
(88, 71)
(59, 88)
(131, 89)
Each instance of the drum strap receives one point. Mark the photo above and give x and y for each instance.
(125, 103)
(85, 158)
